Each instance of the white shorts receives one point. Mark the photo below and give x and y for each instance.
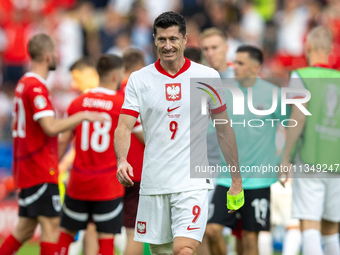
(161, 218)
(281, 205)
(317, 198)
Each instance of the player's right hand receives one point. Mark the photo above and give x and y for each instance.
(123, 172)
(283, 176)
(95, 116)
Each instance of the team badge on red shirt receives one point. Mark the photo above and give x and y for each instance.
(173, 91)
(141, 227)
(40, 102)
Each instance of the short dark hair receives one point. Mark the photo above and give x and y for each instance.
(132, 59)
(169, 19)
(83, 62)
(108, 63)
(39, 45)
(193, 53)
(254, 52)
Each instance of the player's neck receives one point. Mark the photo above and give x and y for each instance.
(127, 75)
(110, 86)
(248, 82)
(173, 67)
(223, 67)
(39, 69)
(317, 58)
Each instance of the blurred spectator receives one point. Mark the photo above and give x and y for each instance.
(141, 33)
(123, 7)
(84, 74)
(113, 26)
(69, 38)
(123, 42)
(155, 7)
(194, 54)
(84, 12)
(266, 8)
(15, 58)
(292, 24)
(252, 24)
(5, 115)
(232, 41)
(219, 14)
(193, 36)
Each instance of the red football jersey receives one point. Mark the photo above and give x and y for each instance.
(93, 176)
(136, 151)
(35, 153)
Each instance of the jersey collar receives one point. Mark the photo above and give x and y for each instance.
(322, 65)
(103, 90)
(31, 74)
(185, 67)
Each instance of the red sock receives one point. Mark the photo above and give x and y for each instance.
(106, 246)
(10, 246)
(48, 248)
(64, 243)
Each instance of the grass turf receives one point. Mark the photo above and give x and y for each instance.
(33, 249)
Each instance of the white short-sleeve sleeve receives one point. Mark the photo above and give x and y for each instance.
(296, 82)
(131, 106)
(217, 101)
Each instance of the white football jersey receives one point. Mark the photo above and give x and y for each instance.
(163, 102)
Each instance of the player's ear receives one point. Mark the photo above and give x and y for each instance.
(48, 57)
(185, 39)
(154, 39)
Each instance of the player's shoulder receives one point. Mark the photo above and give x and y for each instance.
(196, 67)
(100, 95)
(31, 82)
(146, 70)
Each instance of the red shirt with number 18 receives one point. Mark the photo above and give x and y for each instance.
(93, 176)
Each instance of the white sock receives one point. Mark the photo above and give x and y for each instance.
(292, 242)
(265, 243)
(331, 244)
(311, 242)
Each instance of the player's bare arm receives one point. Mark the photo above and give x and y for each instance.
(227, 141)
(293, 134)
(53, 127)
(122, 144)
(64, 141)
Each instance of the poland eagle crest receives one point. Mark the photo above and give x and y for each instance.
(173, 91)
(141, 227)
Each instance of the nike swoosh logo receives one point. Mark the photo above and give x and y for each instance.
(189, 228)
(170, 110)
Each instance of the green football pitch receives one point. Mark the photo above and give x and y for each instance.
(33, 249)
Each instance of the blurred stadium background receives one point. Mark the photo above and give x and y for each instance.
(89, 28)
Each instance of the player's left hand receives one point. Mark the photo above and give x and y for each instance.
(124, 169)
(235, 202)
(235, 192)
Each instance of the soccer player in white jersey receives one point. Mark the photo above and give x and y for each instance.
(173, 208)
(316, 200)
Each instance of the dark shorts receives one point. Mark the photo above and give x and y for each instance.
(107, 215)
(40, 200)
(131, 199)
(255, 214)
